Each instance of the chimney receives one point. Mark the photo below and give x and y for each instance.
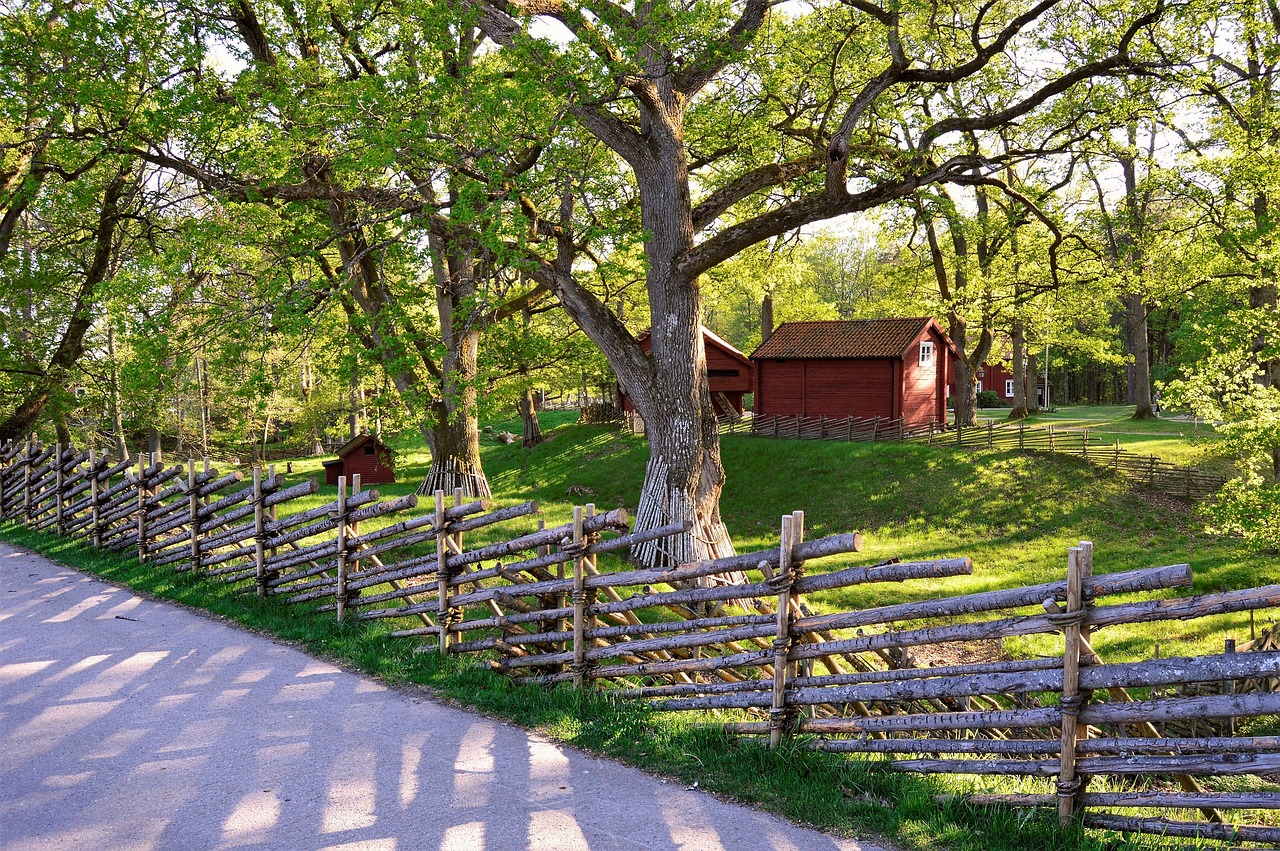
(766, 317)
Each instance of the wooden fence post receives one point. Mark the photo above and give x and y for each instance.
(579, 602)
(1229, 686)
(95, 527)
(59, 484)
(1022, 436)
(442, 575)
(848, 428)
(959, 433)
(26, 482)
(259, 535)
(340, 595)
(1050, 437)
(778, 716)
(991, 434)
(193, 516)
(143, 463)
(930, 441)
(1072, 702)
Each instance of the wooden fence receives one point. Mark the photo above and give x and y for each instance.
(752, 656)
(1174, 479)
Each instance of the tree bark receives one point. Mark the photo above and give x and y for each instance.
(1137, 346)
(529, 414)
(1264, 297)
(1022, 405)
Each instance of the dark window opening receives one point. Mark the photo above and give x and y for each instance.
(369, 449)
(722, 373)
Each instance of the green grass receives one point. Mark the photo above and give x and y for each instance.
(1014, 515)
(1175, 436)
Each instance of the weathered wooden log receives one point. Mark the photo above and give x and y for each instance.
(626, 630)
(1143, 800)
(303, 488)
(1155, 672)
(552, 559)
(683, 642)
(1007, 767)
(615, 519)
(1008, 747)
(897, 674)
(749, 658)
(1146, 579)
(1188, 830)
(899, 572)
(1221, 744)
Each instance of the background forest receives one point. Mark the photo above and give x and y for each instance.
(261, 225)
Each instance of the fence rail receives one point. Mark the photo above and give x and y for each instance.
(1187, 482)
(753, 654)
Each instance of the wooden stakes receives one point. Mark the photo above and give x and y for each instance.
(142, 507)
(1072, 701)
(579, 598)
(442, 575)
(193, 516)
(259, 536)
(340, 595)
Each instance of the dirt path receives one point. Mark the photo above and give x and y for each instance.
(127, 723)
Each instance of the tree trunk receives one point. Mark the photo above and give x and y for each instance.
(1022, 405)
(1138, 349)
(116, 403)
(529, 414)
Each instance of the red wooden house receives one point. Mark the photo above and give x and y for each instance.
(730, 374)
(997, 376)
(856, 367)
(363, 454)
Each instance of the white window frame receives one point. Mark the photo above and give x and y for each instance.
(1008, 388)
(980, 385)
(926, 352)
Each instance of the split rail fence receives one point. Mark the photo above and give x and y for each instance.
(753, 656)
(1177, 480)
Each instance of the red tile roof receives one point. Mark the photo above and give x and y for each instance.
(842, 338)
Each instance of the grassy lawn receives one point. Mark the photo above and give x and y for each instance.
(1175, 436)
(1014, 515)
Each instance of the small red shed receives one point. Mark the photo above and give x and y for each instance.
(730, 374)
(856, 367)
(363, 454)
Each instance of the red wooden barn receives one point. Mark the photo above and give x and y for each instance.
(363, 454)
(729, 373)
(856, 367)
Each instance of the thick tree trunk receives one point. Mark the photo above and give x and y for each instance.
(117, 403)
(529, 414)
(1139, 350)
(455, 461)
(685, 476)
(1022, 406)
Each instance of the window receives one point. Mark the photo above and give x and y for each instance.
(1008, 388)
(369, 449)
(980, 388)
(722, 373)
(926, 353)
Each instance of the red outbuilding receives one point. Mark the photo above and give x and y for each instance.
(997, 376)
(363, 454)
(730, 374)
(856, 367)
